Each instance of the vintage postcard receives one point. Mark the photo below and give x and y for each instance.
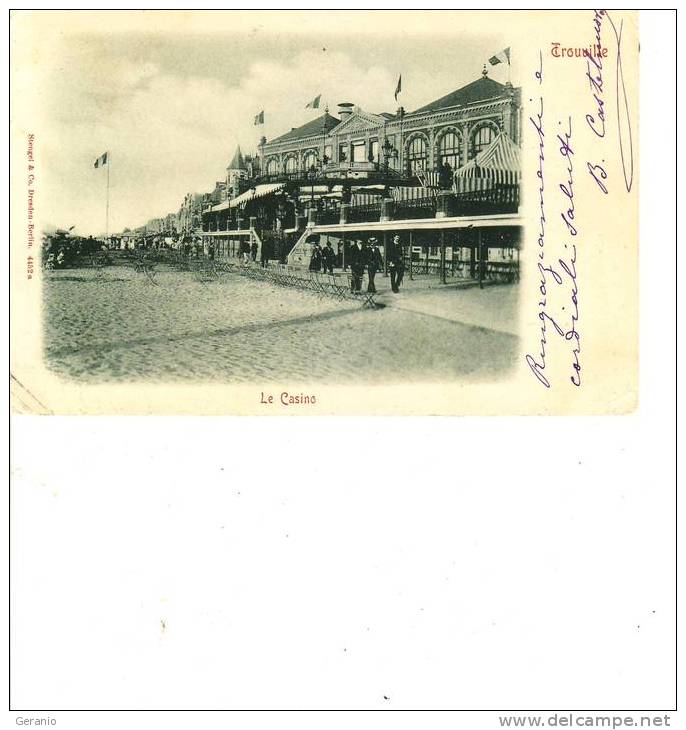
(311, 213)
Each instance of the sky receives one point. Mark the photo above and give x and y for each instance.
(170, 105)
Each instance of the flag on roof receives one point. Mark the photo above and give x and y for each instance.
(399, 86)
(502, 57)
(102, 160)
(259, 118)
(314, 104)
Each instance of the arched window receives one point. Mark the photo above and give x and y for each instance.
(416, 155)
(273, 167)
(291, 165)
(449, 151)
(310, 160)
(482, 138)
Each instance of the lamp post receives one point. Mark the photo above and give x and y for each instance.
(389, 152)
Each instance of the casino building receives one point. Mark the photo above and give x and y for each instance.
(445, 177)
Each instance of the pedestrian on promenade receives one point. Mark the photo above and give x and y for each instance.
(357, 262)
(316, 258)
(374, 262)
(245, 250)
(253, 251)
(396, 264)
(328, 257)
(265, 255)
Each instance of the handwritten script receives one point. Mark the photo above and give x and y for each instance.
(558, 253)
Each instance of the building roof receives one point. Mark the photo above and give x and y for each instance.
(322, 124)
(479, 90)
(237, 163)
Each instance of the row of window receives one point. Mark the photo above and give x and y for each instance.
(449, 149)
(449, 152)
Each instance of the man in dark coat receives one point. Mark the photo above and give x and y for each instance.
(266, 252)
(328, 257)
(374, 263)
(396, 264)
(316, 258)
(357, 264)
(253, 251)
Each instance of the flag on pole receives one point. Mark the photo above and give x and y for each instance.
(314, 104)
(399, 87)
(259, 118)
(102, 160)
(502, 57)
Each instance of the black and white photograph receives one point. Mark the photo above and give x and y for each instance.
(276, 208)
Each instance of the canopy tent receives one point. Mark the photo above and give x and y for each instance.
(498, 164)
(222, 206)
(258, 191)
(240, 200)
(360, 193)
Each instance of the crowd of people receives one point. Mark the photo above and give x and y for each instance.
(61, 250)
(363, 256)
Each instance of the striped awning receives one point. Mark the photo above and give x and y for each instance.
(222, 206)
(499, 163)
(259, 191)
(411, 193)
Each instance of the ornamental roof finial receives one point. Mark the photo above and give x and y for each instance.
(484, 73)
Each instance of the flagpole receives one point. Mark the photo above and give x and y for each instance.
(107, 204)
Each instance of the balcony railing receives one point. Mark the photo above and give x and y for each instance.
(364, 213)
(334, 171)
(424, 207)
(500, 199)
(328, 217)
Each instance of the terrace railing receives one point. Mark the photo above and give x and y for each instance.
(328, 217)
(500, 199)
(424, 207)
(334, 171)
(364, 213)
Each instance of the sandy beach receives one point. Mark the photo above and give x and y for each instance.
(121, 327)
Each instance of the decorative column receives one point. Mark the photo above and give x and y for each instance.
(345, 212)
(443, 204)
(465, 142)
(387, 209)
(432, 139)
(507, 121)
